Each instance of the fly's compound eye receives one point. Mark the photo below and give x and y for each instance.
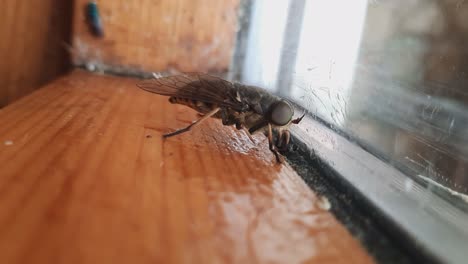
(281, 113)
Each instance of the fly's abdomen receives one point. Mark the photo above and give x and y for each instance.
(199, 106)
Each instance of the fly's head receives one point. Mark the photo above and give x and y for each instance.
(281, 114)
(280, 117)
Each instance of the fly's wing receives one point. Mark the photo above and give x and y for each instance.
(196, 86)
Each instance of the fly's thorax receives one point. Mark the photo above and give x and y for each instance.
(263, 108)
(258, 99)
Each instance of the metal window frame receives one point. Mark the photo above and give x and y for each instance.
(417, 217)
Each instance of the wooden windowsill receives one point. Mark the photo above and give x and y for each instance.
(85, 177)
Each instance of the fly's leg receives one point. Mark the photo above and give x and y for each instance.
(189, 127)
(226, 119)
(287, 139)
(248, 134)
(284, 138)
(279, 139)
(273, 148)
(230, 120)
(239, 126)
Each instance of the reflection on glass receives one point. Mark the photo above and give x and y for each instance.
(409, 100)
(392, 75)
(329, 45)
(267, 26)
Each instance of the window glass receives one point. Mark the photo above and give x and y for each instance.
(391, 75)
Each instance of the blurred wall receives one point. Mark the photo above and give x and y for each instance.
(156, 36)
(31, 48)
(166, 35)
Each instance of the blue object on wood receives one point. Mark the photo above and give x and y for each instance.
(94, 19)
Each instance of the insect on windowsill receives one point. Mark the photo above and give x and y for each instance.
(249, 108)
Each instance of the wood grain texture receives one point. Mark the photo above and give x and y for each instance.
(31, 47)
(164, 35)
(87, 178)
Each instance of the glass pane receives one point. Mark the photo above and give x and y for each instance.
(392, 75)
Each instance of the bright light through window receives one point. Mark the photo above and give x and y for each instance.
(328, 49)
(267, 25)
(324, 62)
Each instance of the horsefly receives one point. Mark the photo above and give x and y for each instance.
(249, 108)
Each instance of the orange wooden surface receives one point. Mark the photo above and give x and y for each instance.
(87, 178)
(183, 35)
(31, 48)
